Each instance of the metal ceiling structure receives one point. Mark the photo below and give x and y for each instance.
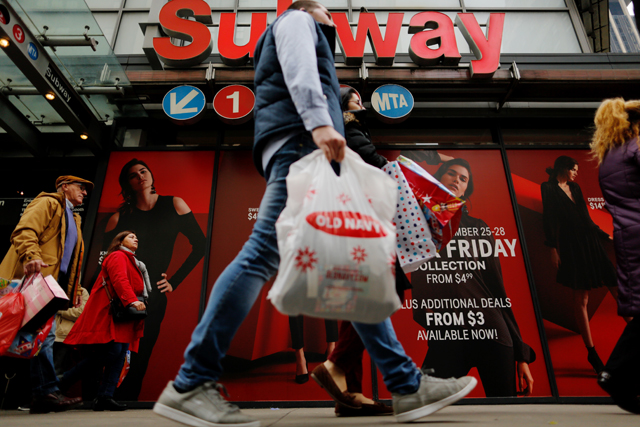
(58, 74)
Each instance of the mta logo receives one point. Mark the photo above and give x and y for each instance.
(33, 51)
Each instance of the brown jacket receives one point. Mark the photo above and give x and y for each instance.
(41, 234)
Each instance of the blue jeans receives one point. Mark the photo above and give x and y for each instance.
(43, 373)
(239, 285)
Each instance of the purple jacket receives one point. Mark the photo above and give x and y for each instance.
(620, 184)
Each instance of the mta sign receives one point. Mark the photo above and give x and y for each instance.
(392, 103)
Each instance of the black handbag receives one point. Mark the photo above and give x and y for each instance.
(123, 314)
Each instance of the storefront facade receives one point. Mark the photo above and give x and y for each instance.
(508, 85)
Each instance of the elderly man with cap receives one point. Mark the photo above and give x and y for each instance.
(48, 239)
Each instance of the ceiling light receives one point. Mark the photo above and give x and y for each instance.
(50, 96)
(4, 42)
(84, 136)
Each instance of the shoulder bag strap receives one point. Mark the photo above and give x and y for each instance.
(106, 288)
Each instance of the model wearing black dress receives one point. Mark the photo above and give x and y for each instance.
(583, 262)
(569, 229)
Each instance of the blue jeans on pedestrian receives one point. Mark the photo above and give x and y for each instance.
(239, 285)
(43, 373)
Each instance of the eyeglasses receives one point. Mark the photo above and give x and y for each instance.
(82, 186)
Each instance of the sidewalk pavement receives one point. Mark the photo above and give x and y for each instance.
(461, 416)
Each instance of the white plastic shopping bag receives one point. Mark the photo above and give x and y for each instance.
(414, 243)
(336, 242)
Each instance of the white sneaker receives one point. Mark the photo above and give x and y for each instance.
(202, 407)
(433, 395)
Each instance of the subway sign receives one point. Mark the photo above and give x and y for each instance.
(433, 41)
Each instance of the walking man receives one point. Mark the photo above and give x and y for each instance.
(48, 240)
(297, 111)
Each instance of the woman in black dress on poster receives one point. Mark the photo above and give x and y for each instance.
(157, 221)
(503, 359)
(577, 251)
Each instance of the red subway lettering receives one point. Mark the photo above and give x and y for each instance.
(430, 29)
(384, 49)
(487, 50)
(231, 53)
(173, 22)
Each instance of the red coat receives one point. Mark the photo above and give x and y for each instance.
(95, 325)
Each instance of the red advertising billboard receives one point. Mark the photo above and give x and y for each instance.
(568, 235)
(261, 365)
(164, 198)
(470, 310)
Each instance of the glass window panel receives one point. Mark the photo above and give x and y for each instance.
(141, 4)
(539, 32)
(107, 23)
(39, 106)
(422, 4)
(271, 4)
(514, 3)
(383, 16)
(222, 4)
(130, 36)
(214, 37)
(245, 17)
(64, 22)
(405, 40)
(103, 4)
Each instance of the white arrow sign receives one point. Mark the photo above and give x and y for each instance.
(178, 107)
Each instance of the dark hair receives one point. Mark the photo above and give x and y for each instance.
(561, 166)
(345, 97)
(128, 195)
(307, 5)
(117, 242)
(460, 162)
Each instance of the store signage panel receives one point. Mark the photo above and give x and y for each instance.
(184, 104)
(392, 103)
(234, 104)
(429, 29)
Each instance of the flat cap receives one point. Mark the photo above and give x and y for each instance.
(68, 179)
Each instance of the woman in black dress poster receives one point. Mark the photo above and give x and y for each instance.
(157, 221)
(576, 247)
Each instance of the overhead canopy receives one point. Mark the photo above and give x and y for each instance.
(86, 77)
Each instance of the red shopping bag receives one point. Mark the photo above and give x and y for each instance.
(125, 368)
(441, 207)
(11, 314)
(27, 344)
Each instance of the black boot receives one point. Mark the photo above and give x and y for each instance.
(594, 359)
(621, 393)
(106, 403)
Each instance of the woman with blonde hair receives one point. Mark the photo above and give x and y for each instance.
(616, 147)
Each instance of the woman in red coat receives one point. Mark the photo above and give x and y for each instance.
(110, 340)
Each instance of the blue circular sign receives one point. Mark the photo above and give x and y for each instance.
(33, 51)
(392, 103)
(184, 103)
